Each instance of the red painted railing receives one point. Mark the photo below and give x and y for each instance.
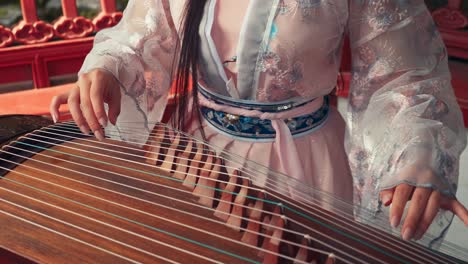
(70, 25)
(36, 50)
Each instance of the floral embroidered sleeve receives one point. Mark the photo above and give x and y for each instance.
(138, 52)
(405, 123)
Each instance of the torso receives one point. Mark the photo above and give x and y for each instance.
(286, 52)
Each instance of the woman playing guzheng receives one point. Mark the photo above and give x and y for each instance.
(263, 70)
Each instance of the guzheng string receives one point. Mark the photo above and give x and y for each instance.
(183, 165)
(164, 145)
(278, 183)
(269, 225)
(46, 130)
(69, 237)
(77, 227)
(74, 143)
(172, 156)
(168, 207)
(171, 137)
(61, 208)
(153, 228)
(244, 171)
(447, 246)
(196, 175)
(153, 240)
(144, 225)
(314, 231)
(345, 213)
(342, 203)
(179, 210)
(179, 158)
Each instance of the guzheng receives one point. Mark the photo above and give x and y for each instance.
(67, 198)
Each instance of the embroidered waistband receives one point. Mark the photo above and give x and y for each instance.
(256, 128)
(250, 105)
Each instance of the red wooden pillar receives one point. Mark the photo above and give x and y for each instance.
(109, 16)
(31, 31)
(70, 25)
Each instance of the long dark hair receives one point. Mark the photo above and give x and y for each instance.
(186, 72)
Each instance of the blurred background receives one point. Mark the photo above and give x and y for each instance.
(49, 10)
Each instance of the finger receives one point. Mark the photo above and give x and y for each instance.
(88, 113)
(97, 101)
(459, 210)
(75, 110)
(386, 196)
(433, 205)
(400, 197)
(114, 105)
(417, 207)
(55, 104)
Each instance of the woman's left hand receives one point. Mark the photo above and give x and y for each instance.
(424, 206)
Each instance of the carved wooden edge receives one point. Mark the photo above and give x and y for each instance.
(31, 30)
(32, 33)
(451, 16)
(6, 37)
(70, 25)
(109, 15)
(106, 20)
(73, 27)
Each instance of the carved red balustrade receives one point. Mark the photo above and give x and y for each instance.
(37, 50)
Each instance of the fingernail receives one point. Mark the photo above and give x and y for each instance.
(103, 122)
(99, 135)
(386, 199)
(408, 234)
(54, 117)
(84, 130)
(394, 222)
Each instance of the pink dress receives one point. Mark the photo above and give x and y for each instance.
(402, 108)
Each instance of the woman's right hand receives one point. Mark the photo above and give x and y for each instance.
(86, 102)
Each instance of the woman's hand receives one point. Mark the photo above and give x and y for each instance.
(86, 102)
(424, 205)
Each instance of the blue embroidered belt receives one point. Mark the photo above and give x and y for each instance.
(256, 128)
